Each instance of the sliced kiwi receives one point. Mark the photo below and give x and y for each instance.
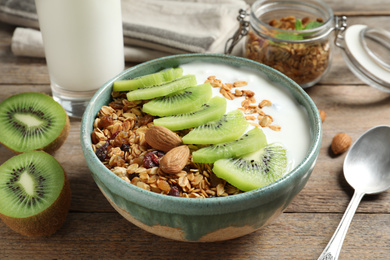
(148, 80)
(33, 121)
(163, 89)
(250, 142)
(253, 171)
(184, 101)
(35, 194)
(227, 128)
(212, 110)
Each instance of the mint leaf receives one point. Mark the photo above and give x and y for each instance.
(312, 25)
(298, 25)
(288, 37)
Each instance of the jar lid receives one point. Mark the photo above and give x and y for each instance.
(367, 53)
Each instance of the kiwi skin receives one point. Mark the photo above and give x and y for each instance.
(60, 140)
(46, 222)
(53, 146)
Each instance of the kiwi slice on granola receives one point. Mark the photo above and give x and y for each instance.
(226, 128)
(33, 121)
(183, 101)
(162, 89)
(255, 170)
(148, 80)
(250, 142)
(212, 110)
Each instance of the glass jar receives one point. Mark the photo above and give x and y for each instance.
(280, 36)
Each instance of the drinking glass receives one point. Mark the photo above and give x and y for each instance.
(83, 42)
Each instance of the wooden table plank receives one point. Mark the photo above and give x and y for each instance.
(291, 236)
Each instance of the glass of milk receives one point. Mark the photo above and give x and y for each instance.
(83, 43)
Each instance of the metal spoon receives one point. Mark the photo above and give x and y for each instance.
(367, 170)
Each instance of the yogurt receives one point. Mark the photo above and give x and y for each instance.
(285, 110)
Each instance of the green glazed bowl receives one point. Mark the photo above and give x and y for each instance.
(200, 220)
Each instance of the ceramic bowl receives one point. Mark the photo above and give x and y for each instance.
(200, 220)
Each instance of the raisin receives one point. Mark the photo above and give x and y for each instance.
(117, 104)
(105, 121)
(125, 147)
(174, 191)
(148, 163)
(151, 159)
(145, 120)
(101, 152)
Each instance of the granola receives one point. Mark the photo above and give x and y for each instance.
(253, 113)
(302, 62)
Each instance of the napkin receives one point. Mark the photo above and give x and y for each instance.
(151, 28)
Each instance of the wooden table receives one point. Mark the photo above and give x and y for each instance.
(94, 230)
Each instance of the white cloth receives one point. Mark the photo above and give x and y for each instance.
(152, 28)
(28, 42)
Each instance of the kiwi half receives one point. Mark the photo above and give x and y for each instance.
(212, 110)
(148, 80)
(35, 194)
(227, 128)
(33, 121)
(180, 102)
(163, 89)
(253, 171)
(252, 141)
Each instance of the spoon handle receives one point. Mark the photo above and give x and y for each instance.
(332, 250)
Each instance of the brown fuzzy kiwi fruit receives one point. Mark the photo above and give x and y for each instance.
(35, 194)
(33, 121)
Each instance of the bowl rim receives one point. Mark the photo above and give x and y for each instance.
(199, 206)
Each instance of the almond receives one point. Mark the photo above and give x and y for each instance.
(161, 138)
(340, 143)
(175, 160)
(322, 115)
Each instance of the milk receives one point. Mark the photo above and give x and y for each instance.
(83, 41)
(285, 110)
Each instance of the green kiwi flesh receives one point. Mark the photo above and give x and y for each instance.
(180, 102)
(212, 110)
(253, 171)
(35, 194)
(252, 141)
(227, 128)
(163, 89)
(33, 121)
(148, 80)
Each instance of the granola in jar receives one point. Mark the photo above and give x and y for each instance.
(290, 40)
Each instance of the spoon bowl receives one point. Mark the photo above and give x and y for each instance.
(367, 170)
(367, 164)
